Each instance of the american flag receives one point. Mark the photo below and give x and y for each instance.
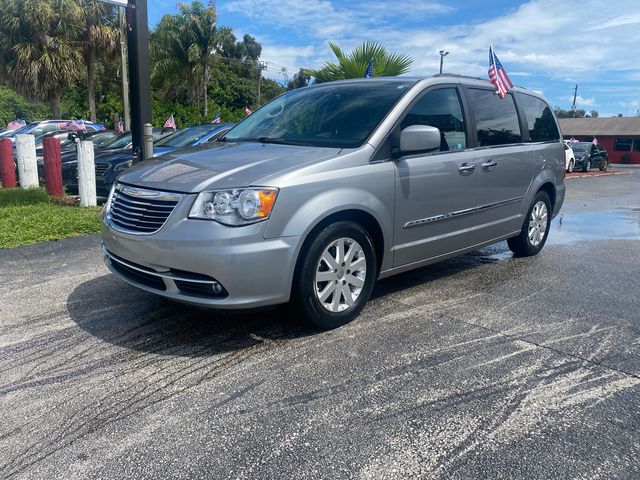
(76, 126)
(498, 75)
(368, 73)
(247, 111)
(120, 127)
(217, 118)
(595, 141)
(170, 123)
(16, 124)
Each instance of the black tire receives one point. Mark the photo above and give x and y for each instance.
(586, 166)
(572, 164)
(604, 165)
(304, 298)
(522, 245)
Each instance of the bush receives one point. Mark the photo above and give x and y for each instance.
(14, 106)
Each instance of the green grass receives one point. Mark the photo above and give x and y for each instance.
(30, 216)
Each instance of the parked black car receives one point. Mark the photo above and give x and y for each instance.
(589, 155)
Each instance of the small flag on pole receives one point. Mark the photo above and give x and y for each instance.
(368, 73)
(247, 111)
(76, 126)
(217, 118)
(16, 124)
(595, 141)
(498, 75)
(170, 123)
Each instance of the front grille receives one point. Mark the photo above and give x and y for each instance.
(140, 211)
(101, 169)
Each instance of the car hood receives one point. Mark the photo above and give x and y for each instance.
(157, 151)
(222, 165)
(116, 155)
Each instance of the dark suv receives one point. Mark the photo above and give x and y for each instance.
(589, 155)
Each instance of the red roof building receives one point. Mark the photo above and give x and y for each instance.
(620, 136)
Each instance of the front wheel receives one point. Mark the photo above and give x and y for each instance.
(535, 230)
(604, 165)
(586, 167)
(572, 164)
(335, 275)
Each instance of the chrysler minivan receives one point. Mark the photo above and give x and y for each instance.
(327, 188)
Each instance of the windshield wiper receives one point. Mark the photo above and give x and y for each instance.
(282, 141)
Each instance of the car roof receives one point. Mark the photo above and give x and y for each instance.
(432, 80)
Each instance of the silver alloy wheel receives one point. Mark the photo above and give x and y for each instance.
(340, 274)
(571, 164)
(538, 223)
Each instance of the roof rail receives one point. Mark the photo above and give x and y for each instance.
(457, 75)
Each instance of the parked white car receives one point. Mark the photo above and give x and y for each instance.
(569, 158)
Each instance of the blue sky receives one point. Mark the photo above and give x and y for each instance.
(545, 45)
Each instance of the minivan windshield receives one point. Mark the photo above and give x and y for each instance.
(341, 115)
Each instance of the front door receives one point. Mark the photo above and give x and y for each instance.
(436, 192)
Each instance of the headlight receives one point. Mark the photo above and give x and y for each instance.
(122, 166)
(235, 207)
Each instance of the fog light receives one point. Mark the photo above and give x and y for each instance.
(217, 288)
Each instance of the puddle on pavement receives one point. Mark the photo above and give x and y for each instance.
(575, 227)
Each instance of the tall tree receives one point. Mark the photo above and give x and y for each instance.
(354, 64)
(98, 33)
(206, 39)
(38, 51)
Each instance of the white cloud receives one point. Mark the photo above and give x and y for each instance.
(581, 101)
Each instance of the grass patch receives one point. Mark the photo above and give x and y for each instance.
(30, 216)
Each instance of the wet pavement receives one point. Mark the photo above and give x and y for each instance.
(483, 366)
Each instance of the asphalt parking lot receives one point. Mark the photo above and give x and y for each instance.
(484, 366)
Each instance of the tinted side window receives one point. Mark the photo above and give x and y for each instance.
(542, 127)
(496, 119)
(441, 109)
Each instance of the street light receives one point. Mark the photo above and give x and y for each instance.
(443, 53)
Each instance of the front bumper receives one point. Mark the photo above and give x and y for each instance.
(253, 272)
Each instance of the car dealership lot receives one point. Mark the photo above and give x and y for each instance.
(483, 366)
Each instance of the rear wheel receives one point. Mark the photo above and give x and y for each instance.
(586, 166)
(535, 230)
(335, 275)
(572, 163)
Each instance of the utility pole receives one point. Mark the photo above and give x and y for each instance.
(123, 68)
(139, 81)
(443, 53)
(573, 107)
(261, 66)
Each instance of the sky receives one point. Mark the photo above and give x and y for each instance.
(545, 45)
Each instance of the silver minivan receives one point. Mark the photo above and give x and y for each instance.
(327, 188)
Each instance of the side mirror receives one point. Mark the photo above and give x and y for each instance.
(417, 138)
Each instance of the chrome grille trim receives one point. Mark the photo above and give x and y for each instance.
(140, 211)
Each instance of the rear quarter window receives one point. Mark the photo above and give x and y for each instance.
(540, 121)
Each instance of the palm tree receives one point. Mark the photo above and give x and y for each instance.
(95, 34)
(37, 44)
(354, 64)
(206, 39)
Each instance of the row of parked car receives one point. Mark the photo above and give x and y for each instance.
(113, 152)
